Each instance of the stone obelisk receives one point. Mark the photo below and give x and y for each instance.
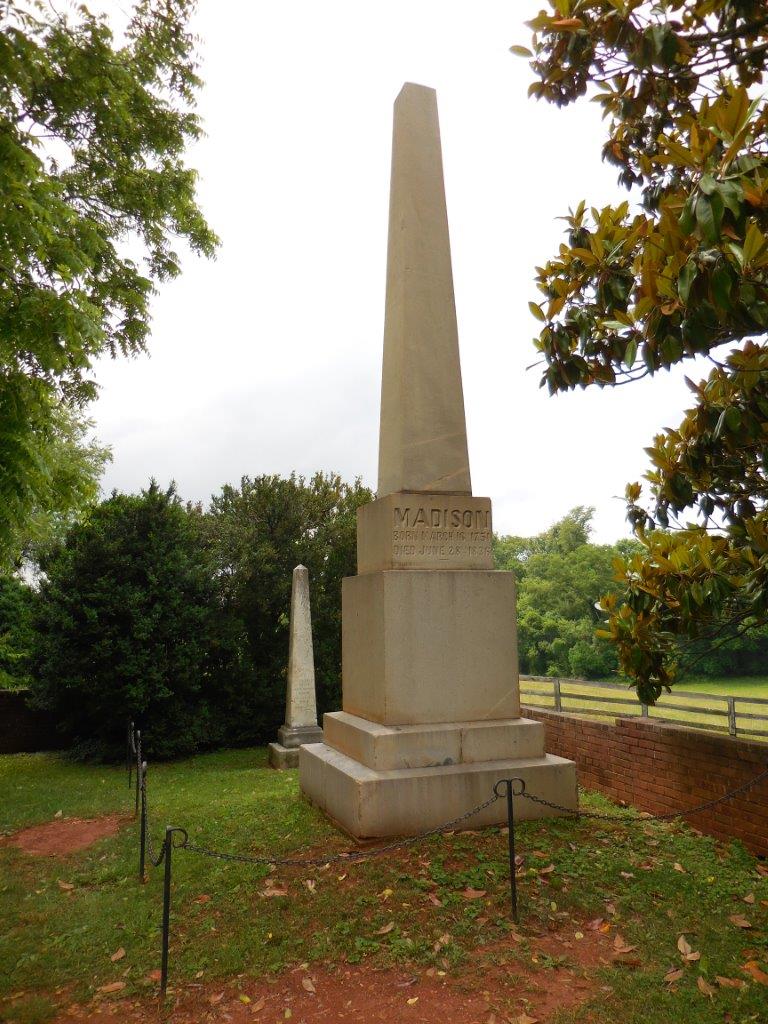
(300, 706)
(431, 704)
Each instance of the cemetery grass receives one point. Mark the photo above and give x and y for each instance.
(441, 905)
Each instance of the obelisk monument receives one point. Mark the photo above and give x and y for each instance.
(431, 703)
(301, 705)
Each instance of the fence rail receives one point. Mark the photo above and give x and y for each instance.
(731, 714)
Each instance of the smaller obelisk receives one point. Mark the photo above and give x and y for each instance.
(300, 706)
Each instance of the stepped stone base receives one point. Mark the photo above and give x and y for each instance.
(281, 757)
(370, 803)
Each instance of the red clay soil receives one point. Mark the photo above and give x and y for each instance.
(64, 835)
(558, 973)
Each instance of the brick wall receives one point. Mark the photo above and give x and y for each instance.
(23, 729)
(660, 767)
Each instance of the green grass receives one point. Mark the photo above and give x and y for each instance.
(55, 945)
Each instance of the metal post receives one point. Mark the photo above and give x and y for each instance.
(558, 696)
(143, 827)
(138, 773)
(510, 794)
(166, 854)
(731, 715)
(128, 752)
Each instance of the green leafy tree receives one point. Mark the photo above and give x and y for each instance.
(560, 577)
(679, 270)
(17, 602)
(63, 482)
(95, 188)
(128, 627)
(259, 532)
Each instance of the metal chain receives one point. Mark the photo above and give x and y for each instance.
(667, 816)
(350, 855)
(156, 860)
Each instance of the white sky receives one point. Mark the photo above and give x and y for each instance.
(268, 359)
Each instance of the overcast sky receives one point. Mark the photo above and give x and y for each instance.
(269, 359)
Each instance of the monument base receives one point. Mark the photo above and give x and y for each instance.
(375, 802)
(281, 757)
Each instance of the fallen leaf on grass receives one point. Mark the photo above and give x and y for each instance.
(594, 925)
(385, 894)
(704, 987)
(154, 975)
(674, 975)
(753, 969)
(473, 894)
(65, 886)
(259, 1005)
(113, 986)
(739, 920)
(749, 898)
(683, 945)
(547, 870)
(117, 955)
(59, 814)
(308, 985)
(434, 900)
(626, 874)
(311, 884)
(245, 999)
(611, 909)
(729, 982)
(204, 898)
(680, 868)
(525, 1019)
(271, 891)
(214, 1000)
(620, 945)
(386, 929)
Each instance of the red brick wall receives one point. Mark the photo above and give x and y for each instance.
(659, 767)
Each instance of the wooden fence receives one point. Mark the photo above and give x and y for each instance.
(733, 715)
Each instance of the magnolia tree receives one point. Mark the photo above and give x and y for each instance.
(678, 270)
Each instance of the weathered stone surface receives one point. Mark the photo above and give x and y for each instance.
(387, 748)
(301, 705)
(424, 531)
(431, 701)
(370, 804)
(423, 436)
(282, 758)
(296, 735)
(424, 646)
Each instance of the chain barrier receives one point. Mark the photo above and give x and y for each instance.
(177, 838)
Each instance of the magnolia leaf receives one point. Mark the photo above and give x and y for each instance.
(117, 955)
(308, 985)
(473, 894)
(385, 929)
(704, 987)
(683, 945)
(739, 920)
(674, 975)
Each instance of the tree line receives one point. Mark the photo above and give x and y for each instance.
(174, 615)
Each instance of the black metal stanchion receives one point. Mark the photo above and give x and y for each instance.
(166, 854)
(143, 826)
(129, 752)
(138, 772)
(511, 792)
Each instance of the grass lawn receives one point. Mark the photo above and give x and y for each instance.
(612, 886)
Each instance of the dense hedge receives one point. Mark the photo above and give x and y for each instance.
(156, 611)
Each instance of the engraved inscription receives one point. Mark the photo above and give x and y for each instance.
(442, 533)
